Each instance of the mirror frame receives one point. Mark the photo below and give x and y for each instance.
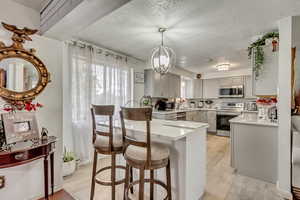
(16, 50)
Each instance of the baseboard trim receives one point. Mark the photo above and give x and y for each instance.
(283, 193)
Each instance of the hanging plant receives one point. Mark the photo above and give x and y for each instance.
(256, 50)
(258, 60)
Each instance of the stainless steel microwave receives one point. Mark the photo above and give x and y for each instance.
(232, 91)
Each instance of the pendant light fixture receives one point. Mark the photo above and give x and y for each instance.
(162, 57)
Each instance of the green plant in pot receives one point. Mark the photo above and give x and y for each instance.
(69, 162)
(255, 51)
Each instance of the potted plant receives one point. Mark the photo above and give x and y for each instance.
(69, 163)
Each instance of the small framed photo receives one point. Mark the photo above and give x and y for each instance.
(19, 127)
(139, 77)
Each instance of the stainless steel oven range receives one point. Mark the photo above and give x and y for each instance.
(226, 112)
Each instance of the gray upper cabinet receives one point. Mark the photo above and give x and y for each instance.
(211, 88)
(266, 83)
(230, 81)
(174, 85)
(198, 88)
(157, 85)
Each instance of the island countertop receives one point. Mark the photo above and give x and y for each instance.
(167, 129)
(242, 120)
(182, 110)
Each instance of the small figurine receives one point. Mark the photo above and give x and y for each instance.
(44, 134)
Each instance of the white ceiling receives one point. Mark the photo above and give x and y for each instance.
(203, 33)
(34, 4)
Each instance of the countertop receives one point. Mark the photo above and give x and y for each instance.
(171, 130)
(182, 110)
(242, 120)
(250, 111)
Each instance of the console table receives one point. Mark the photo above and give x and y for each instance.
(25, 152)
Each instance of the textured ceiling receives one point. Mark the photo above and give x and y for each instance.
(34, 4)
(203, 33)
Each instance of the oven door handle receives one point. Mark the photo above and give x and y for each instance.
(228, 113)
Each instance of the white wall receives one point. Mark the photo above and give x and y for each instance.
(26, 182)
(18, 14)
(284, 105)
(138, 88)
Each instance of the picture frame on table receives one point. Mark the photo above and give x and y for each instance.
(19, 127)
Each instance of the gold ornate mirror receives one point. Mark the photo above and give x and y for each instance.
(23, 75)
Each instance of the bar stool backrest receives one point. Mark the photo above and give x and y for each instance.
(103, 110)
(137, 114)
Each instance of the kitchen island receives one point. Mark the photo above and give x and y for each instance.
(254, 148)
(187, 143)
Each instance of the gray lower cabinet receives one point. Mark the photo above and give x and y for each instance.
(202, 116)
(212, 121)
(206, 116)
(157, 85)
(191, 115)
(254, 150)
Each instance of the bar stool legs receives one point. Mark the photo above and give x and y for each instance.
(113, 182)
(168, 173)
(142, 183)
(131, 179)
(126, 181)
(94, 174)
(129, 184)
(151, 184)
(113, 176)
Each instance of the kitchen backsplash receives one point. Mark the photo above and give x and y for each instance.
(217, 101)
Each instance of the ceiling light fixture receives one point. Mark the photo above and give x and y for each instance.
(162, 57)
(223, 67)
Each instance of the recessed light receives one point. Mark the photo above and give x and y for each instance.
(223, 67)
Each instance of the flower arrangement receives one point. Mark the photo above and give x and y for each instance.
(29, 106)
(256, 50)
(266, 101)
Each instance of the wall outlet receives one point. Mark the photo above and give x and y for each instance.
(2, 182)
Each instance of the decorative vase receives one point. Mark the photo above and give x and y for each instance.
(263, 112)
(69, 167)
(268, 41)
(274, 44)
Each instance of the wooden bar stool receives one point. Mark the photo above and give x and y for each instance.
(144, 155)
(106, 143)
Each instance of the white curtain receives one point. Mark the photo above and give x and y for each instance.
(95, 79)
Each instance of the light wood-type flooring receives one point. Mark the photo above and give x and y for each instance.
(60, 195)
(222, 182)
